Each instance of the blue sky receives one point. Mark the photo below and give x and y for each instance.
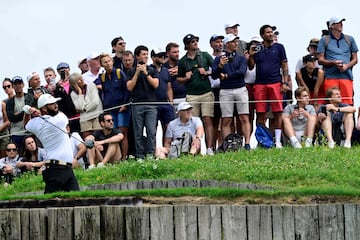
(37, 34)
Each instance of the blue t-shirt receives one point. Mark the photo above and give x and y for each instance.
(337, 50)
(268, 64)
(164, 79)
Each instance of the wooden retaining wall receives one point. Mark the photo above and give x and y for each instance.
(182, 222)
(213, 222)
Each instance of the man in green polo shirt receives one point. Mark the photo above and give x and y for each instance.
(193, 71)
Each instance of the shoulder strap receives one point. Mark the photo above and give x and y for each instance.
(347, 40)
(327, 40)
(346, 37)
(118, 73)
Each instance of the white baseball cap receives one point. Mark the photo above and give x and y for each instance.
(335, 19)
(46, 99)
(183, 106)
(230, 37)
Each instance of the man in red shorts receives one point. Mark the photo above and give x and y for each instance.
(270, 83)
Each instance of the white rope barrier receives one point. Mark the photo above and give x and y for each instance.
(166, 103)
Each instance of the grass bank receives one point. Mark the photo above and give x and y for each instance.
(292, 172)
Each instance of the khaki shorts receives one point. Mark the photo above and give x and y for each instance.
(203, 105)
(90, 125)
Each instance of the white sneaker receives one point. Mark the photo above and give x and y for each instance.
(331, 144)
(210, 151)
(347, 144)
(100, 165)
(308, 142)
(296, 144)
(92, 166)
(278, 145)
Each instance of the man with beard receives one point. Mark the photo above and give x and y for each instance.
(49, 126)
(179, 90)
(106, 141)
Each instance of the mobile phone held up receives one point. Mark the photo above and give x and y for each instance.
(62, 75)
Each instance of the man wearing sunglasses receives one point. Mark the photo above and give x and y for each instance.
(8, 164)
(118, 48)
(193, 71)
(106, 143)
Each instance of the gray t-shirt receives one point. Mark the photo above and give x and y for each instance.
(299, 123)
(176, 128)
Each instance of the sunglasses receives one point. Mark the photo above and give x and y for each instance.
(122, 43)
(108, 120)
(11, 149)
(194, 41)
(6, 86)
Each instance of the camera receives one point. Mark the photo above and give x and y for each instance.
(258, 47)
(62, 74)
(141, 63)
(231, 59)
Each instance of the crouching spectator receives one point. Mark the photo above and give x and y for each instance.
(299, 120)
(336, 118)
(8, 164)
(34, 156)
(178, 131)
(106, 143)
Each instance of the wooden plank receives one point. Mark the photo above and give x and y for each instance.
(331, 221)
(25, 224)
(307, 223)
(137, 222)
(283, 222)
(146, 184)
(209, 222)
(259, 222)
(38, 220)
(352, 221)
(185, 219)
(157, 183)
(87, 222)
(112, 222)
(234, 222)
(162, 222)
(60, 223)
(132, 185)
(192, 183)
(10, 224)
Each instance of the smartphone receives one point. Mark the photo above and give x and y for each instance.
(62, 75)
(141, 62)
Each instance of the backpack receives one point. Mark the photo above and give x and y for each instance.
(180, 145)
(231, 143)
(264, 136)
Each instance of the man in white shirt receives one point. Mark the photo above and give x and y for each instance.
(49, 126)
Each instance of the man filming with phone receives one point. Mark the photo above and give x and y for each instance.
(63, 90)
(231, 69)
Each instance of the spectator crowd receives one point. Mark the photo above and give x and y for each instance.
(113, 99)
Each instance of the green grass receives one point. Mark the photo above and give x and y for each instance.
(292, 172)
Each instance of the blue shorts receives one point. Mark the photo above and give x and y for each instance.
(121, 119)
(166, 113)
